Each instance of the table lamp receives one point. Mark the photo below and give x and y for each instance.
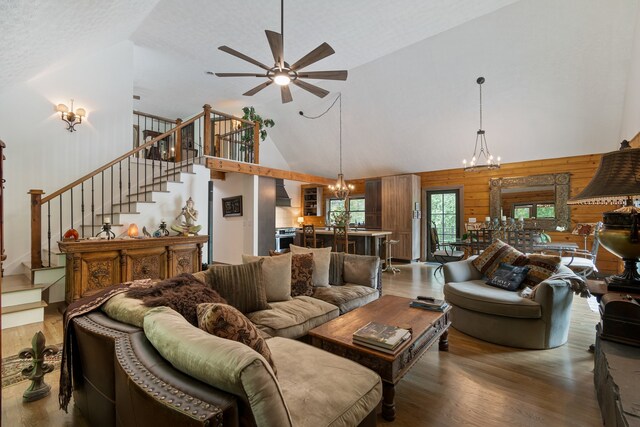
(617, 182)
(300, 220)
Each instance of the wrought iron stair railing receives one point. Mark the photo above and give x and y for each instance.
(118, 186)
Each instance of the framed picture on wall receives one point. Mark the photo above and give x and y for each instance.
(232, 206)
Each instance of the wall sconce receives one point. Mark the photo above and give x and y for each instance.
(72, 118)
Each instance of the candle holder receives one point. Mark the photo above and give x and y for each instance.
(106, 230)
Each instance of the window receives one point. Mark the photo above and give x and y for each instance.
(356, 210)
(534, 210)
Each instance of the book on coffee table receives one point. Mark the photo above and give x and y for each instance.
(375, 347)
(381, 335)
(437, 305)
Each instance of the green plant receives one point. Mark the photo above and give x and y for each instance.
(250, 114)
(341, 218)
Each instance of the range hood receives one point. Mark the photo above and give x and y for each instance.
(282, 198)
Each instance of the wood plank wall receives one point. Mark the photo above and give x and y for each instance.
(476, 193)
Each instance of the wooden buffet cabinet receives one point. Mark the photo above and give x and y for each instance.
(96, 264)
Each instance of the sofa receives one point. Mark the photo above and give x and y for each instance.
(506, 317)
(141, 366)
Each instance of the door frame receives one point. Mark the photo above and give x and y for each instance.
(424, 222)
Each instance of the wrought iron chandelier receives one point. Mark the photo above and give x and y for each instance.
(482, 159)
(341, 189)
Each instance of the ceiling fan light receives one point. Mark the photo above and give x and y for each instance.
(282, 79)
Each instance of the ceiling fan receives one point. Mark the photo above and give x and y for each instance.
(282, 73)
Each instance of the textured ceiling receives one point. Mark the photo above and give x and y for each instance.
(181, 39)
(39, 34)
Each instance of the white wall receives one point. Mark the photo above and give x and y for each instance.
(556, 77)
(234, 236)
(631, 118)
(41, 154)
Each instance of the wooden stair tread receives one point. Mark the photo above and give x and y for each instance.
(17, 283)
(23, 307)
(52, 267)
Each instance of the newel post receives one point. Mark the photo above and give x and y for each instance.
(256, 143)
(36, 228)
(207, 129)
(178, 154)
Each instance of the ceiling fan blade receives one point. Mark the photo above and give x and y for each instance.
(315, 55)
(257, 88)
(324, 75)
(317, 91)
(237, 54)
(275, 42)
(240, 75)
(285, 92)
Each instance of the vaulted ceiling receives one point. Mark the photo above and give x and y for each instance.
(556, 72)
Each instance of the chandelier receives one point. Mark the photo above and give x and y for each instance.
(482, 159)
(341, 189)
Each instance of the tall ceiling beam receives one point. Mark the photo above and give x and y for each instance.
(223, 165)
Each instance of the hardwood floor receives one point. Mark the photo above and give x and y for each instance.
(474, 384)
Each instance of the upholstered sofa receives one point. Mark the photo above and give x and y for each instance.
(505, 317)
(149, 367)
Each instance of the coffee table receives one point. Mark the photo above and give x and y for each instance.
(427, 327)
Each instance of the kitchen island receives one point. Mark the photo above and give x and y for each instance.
(368, 242)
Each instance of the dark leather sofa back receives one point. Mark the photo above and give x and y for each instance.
(123, 381)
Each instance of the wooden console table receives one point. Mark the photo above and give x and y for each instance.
(96, 264)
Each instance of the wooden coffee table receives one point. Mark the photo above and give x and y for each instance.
(426, 326)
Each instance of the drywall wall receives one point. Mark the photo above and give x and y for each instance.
(556, 76)
(631, 118)
(41, 154)
(237, 235)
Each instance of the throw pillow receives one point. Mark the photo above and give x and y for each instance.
(182, 293)
(241, 285)
(224, 321)
(276, 274)
(321, 262)
(361, 270)
(508, 277)
(489, 260)
(541, 267)
(302, 275)
(336, 267)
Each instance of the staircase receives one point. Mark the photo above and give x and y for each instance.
(143, 186)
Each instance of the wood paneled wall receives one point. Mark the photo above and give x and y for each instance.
(476, 193)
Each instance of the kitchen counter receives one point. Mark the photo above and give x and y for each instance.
(368, 242)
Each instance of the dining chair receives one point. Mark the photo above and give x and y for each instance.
(442, 252)
(341, 237)
(582, 261)
(309, 238)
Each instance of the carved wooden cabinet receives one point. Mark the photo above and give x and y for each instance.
(95, 264)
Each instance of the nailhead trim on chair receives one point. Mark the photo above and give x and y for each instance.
(149, 383)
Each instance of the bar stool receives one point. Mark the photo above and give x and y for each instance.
(309, 239)
(387, 251)
(341, 237)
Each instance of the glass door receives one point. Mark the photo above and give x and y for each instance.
(443, 218)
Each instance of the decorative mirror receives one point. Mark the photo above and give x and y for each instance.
(540, 200)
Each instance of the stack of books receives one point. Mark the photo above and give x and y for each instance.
(427, 303)
(381, 337)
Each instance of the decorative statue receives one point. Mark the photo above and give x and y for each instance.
(188, 226)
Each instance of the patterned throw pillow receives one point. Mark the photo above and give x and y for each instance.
(302, 275)
(241, 285)
(321, 262)
(489, 260)
(541, 267)
(508, 277)
(224, 321)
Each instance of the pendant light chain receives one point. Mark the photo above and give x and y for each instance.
(340, 109)
(480, 106)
